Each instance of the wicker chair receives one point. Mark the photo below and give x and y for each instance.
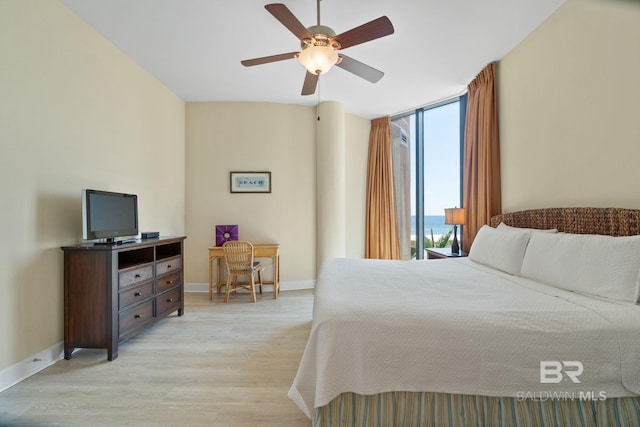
(238, 257)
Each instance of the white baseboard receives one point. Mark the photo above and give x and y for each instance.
(284, 286)
(31, 365)
(297, 285)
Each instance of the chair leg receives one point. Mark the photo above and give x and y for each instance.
(252, 288)
(228, 290)
(260, 280)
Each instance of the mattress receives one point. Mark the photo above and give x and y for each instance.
(455, 326)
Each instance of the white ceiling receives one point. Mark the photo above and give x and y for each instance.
(195, 46)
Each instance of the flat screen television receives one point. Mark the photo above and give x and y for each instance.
(108, 215)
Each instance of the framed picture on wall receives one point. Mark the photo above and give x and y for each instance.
(250, 182)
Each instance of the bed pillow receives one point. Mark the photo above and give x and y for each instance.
(592, 264)
(505, 227)
(502, 250)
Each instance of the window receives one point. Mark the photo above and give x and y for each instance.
(427, 156)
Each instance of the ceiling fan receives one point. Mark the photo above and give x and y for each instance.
(320, 46)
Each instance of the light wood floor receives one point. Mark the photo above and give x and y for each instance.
(218, 365)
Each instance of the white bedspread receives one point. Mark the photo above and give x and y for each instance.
(455, 326)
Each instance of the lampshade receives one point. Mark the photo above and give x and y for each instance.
(454, 216)
(318, 59)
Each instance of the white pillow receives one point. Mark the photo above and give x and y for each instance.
(503, 226)
(502, 250)
(587, 263)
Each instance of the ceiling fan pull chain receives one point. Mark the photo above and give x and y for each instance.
(318, 106)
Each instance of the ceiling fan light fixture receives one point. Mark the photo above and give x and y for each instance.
(318, 59)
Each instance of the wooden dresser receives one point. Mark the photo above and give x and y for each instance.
(112, 292)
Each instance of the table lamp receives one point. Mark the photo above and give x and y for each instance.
(455, 217)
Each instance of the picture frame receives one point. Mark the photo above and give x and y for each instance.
(250, 182)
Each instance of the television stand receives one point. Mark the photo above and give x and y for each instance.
(113, 292)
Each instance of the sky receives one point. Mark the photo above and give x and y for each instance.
(441, 159)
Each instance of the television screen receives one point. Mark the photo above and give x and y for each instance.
(108, 215)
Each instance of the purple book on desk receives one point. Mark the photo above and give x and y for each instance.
(225, 233)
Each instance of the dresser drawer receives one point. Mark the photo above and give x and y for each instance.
(135, 295)
(168, 265)
(167, 282)
(135, 275)
(135, 318)
(169, 301)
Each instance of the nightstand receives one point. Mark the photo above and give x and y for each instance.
(441, 253)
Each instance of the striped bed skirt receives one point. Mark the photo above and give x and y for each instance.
(426, 409)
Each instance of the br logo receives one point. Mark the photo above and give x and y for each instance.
(553, 371)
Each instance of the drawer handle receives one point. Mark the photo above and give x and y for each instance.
(138, 316)
(169, 266)
(170, 300)
(169, 282)
(137, 294)
(137, 276)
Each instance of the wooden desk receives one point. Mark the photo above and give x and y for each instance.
(260, 250)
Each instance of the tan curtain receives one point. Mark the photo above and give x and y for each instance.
(482, 194)
(382, 223)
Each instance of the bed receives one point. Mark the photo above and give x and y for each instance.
(539, 326)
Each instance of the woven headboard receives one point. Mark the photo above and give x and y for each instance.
(607, 221)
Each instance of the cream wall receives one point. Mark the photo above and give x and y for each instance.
(331, 171)
(235, 136)
(569, 111)
(75, 112)
(252, 136)
(357, 146)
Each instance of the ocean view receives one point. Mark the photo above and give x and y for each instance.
(435, 222)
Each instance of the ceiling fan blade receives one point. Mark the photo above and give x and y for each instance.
(284, 15)
(359, 69)
(267, 59)
(310, 83)
(366, 32)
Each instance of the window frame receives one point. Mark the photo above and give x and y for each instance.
(419, 162)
